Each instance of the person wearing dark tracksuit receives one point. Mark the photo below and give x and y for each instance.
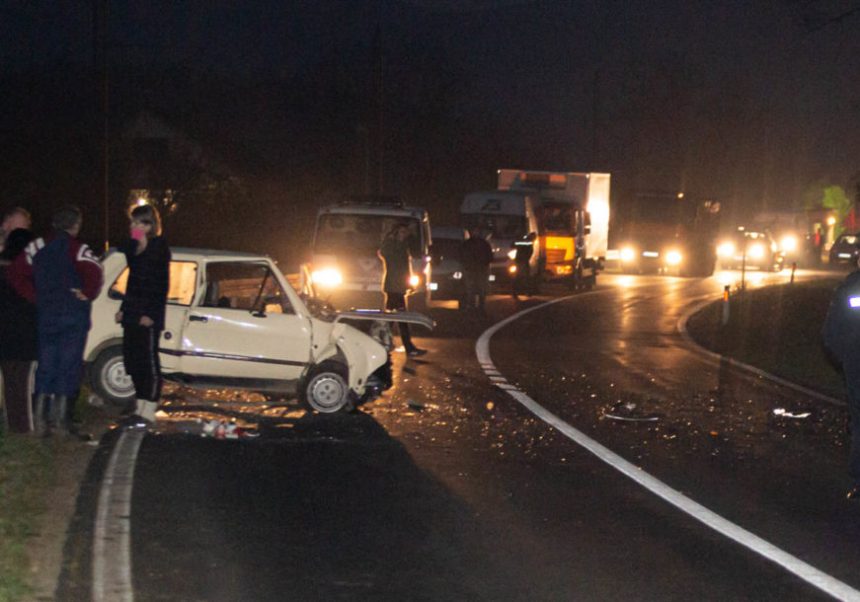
(62, 276)
(142, 311)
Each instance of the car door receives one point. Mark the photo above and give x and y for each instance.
(243, 327)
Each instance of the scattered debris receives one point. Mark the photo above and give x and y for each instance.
(786, 414)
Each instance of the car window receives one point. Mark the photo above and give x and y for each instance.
(183, 283)
(244, 286)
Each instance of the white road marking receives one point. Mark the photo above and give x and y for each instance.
(805, 571)
(716, 358)
(112, 535)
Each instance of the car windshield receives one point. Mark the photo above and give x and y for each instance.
(344, 233)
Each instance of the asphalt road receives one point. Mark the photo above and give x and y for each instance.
(447, 488)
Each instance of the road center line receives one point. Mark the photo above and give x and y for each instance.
(112, 533)
(807, 572)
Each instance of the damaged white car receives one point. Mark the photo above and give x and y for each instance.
(233, 320)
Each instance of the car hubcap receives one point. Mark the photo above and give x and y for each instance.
(327, 392)
(117, 380)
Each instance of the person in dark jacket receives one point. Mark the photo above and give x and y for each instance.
(17, 339)
(62, 276)
(476, 255)
(142, 311)
(523, 252)
(395, 255)
(841, 334)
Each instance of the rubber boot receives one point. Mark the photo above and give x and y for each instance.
(40, 403)
(58, 415)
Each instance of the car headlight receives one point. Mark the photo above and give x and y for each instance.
(512, 254)
(788, 244)
(327, 277)
(628, 254)
(457, 275)
(414, 280)
(726, 249)
(673, 257)
(756, 251)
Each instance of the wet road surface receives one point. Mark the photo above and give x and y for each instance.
(447, 488)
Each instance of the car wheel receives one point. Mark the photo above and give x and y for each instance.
(109, 379)
(326, 389)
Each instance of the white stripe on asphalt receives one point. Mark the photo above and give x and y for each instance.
(112, 536)
(807, 572)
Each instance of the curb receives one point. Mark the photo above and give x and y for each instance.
(716, 357)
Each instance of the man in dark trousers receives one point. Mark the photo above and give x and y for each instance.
(395, 257)
(841, 335)
(523, 251)
(476, 256)
(62, 276)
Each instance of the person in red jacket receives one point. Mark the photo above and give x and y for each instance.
(61, 276)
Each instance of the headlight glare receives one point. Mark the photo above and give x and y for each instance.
(328, 277)
(673, 257)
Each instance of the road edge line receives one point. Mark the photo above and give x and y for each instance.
(681, 326)
(112, 532)
(808, 573)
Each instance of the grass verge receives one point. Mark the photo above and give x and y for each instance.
(777, 329)
(27, 473)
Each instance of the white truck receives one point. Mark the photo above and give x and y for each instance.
(568, 211)
(344, 268)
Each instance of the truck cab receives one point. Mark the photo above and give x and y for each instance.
(344, 268)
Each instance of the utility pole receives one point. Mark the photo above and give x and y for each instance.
(378, 96)
(100, 66)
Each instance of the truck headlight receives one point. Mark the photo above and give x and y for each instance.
(726, 249)
(627, 254)
(327, 277)
(788, 244)
(756, 251)
(673, 257)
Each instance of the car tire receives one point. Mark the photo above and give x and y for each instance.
(326, 390)
(109, 379)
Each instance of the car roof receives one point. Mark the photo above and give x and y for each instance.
(381, 210)
(200, 253)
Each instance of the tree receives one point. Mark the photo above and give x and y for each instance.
(835, 198)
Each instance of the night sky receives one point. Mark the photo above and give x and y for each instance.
(752, 102)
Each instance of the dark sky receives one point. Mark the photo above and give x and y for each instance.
(750, 102)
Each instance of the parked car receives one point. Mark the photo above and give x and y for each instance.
(845, 250)
(750, 249)
(447, 282)
(233, 320)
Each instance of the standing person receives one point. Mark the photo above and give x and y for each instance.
(18, 336)
(397, 269)
(62, 276)
(476, 255)
(523, 249)
(841, 334)
(142, 311)
(15, 218)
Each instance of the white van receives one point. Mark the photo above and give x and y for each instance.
(344, 268)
